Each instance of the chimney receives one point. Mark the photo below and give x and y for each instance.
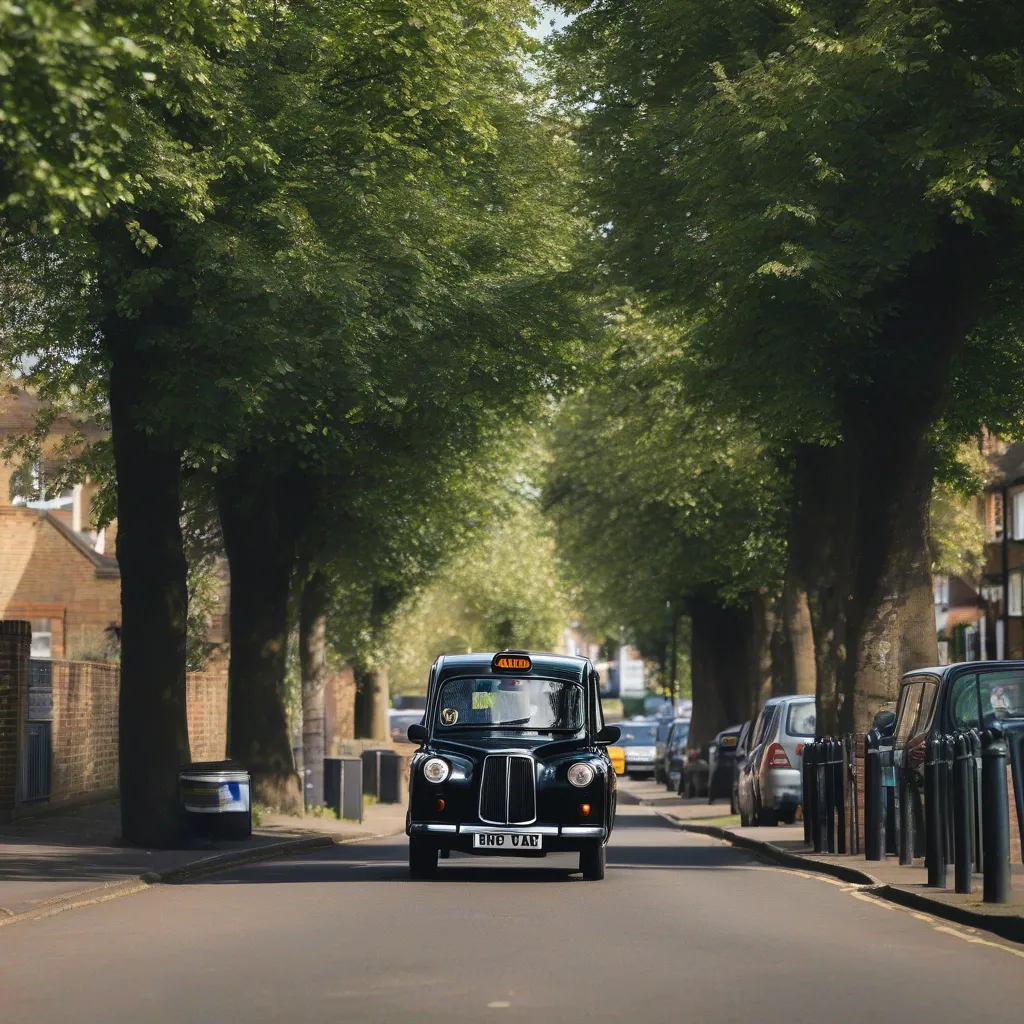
(81, 507)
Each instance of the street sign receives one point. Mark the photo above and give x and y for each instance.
(632, 681)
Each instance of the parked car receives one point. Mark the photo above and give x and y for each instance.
(970, 695)
(694, 779)
(675, 755)
(742, 744)
(666, 728)
(638, 737)
(721, 758)
(769, 789)
(399, 722)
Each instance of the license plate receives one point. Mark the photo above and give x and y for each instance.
(506, 841)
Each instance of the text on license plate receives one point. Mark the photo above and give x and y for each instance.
(506, 841)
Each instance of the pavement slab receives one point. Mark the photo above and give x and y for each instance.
(51, 859)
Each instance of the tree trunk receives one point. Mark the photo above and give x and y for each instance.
(799, 640)
(721, 654)
(152, 727)
(766, 625)
(313, 662)
(259, 540)
(372, 703)
(859, 536)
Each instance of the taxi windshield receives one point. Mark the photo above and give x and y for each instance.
(543, 705)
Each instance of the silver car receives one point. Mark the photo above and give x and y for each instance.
(637, 740)
(769, 786)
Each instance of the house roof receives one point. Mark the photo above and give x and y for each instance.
(1008, 468)
(105, 565)
(20, 409)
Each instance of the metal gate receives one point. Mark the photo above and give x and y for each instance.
(38, 729)
(37, 761)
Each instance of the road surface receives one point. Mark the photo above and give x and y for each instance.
(683, 928)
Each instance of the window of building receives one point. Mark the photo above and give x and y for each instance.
(941, 586)
(994, 516)
(1017, 515)
(42, 639)
(1015, 602)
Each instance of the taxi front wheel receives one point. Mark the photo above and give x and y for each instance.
(592, 862)
(422, 859)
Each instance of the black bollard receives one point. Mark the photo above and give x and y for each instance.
(874, 811)
(935, 855)
(830, 795)
(807, 790)
(963, 825)
(906, 800)
(995, 817)
(840, 788)
(946, 791)
(978, 845)
(854, 802)
(820, 799)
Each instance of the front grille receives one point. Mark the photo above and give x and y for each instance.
(508, 790)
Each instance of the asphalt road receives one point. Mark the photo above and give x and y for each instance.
(682, 929)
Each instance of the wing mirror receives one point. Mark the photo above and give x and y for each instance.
(609, 734)
(418, 733)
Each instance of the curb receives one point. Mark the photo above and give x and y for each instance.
(219, 862)
(1006, 926)
(777, 856)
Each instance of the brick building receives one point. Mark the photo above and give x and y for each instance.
(56, 571)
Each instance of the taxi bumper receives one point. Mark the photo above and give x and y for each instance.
(555, 838)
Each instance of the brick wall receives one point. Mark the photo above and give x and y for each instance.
(15, 638)
(85, 723)
(84, 730)
(206, 703)
(340, 709)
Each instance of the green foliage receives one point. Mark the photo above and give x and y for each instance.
(656, 497)
(957, 528)
(775, 170)
(503, 590)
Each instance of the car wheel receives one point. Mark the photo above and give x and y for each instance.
(744, 818)
(789, 818)
(732, 802)
(592, 861)
(422, 859)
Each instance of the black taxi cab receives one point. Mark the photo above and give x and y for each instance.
(512, 761)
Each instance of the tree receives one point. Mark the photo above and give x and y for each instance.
(502, 590)
(829, 195)
(657, 498)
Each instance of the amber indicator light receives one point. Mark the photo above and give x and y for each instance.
(440, 805)
(585, 810)
(729, 741)
(518, 662)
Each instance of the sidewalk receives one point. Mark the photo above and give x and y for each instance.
(51, 862)
(887, 879)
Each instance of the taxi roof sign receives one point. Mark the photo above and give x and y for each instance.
(517, 661)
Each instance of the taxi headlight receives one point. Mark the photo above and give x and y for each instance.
(435, 769)
(581, 775)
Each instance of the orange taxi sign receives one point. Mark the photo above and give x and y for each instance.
(517, 662)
